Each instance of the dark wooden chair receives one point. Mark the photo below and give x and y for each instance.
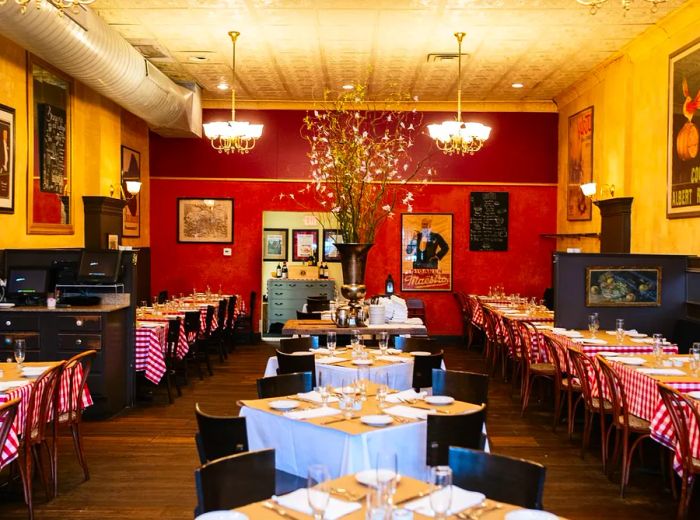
(416, 309)
(196, 354)
(683, 412)
(243, 327)
(171, 361)
(463, 430)
(470, 387)
(289, 345)
(307, 316)
(220, 436)
(215, 343)
(75, 374)
(289, 364)
(505, 479)
(317, 303)
(230, 320)
(423, 370)
(420, 344)
(286, 384)
(162, 297)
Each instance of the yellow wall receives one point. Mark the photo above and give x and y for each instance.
(630, 98)
(98, 129)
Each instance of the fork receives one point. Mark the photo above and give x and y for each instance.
(279, 510)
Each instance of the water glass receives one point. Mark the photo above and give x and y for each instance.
(388, 473)
(20, 351)
(441, 494)
(382, 392)
(695, 358)
(658, 349)
(361, 382)
(383, 342)
(319, 490)
(347, 400)
(593, 324)
(378, 507)
(620, 330)
(330, 342)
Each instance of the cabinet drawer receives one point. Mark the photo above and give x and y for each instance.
(78, 323)
(79, 342)
(7, 340)
(11, 322)
(281, 315)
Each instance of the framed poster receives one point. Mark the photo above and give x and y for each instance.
(205, 221)
(426, 251)
(683, 177)
(623, 286)
(331, 237)
(131, 171)
(304, 244)
(7, 159)
(275, 244)
(579, 165)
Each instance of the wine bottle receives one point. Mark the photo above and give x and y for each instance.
(278, 271)
(285, 271)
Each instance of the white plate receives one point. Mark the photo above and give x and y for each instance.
(439, 399)
(368, 477)
(637, 362)
(419, 353)
(6, 305)
(222, 515)
(608, 354)
(302, 353)
(694, 394)
(636, 335)
(362, 361)
(594, 341)
(377, 420)
(284, 404)
(530, 514)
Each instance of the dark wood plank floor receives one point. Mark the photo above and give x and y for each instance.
(142, 461)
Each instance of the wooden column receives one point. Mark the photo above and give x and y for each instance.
(103, 216)
(615, 227)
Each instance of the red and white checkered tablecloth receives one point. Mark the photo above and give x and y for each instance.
(151, 347)
(10, 449)
(662, 430)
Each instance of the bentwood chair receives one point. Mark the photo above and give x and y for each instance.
(683, 412)
(423, 370)
(290, 345)
(532, 368)
(70, 413)
(285, 384)
(290, 363)
(8, 412)
(34, 436)
(567, 388)
(624, 422)
(220, 436)
(463, 430)
(469, 387)
(494, 344)
(505, 479)
(511, 352)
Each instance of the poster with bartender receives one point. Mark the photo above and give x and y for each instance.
(426, 252)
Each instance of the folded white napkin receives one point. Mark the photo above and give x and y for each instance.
(311, 413)
(6, 385)
(661, 371)
(393, 351)
(407, 412)
(461, 499)
(571, 333)
(34, 370)
(394, 359)
(315, 397)
(406, 394)
(630, 332)
(148, 324)
(298, 501)
(320, 350)
(590, 341)
(648, 341)
(414, 321)
(544, 326)
(329, 360)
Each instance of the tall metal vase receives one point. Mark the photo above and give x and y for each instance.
(353, 258)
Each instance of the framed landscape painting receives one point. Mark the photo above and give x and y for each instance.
(7, 159)
(623, 286)
(275, 244)
(331, 237)
(205, 221)
(426, 252)
(579, 165)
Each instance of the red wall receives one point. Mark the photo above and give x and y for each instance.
(523, 149)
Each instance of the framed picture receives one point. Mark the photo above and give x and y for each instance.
(205, 221)
(304, 244)
(112, 241)
(579, 165)
(331, 237)
(623, 286)
(131, 171)
(275, 244)
(7, 159)
(426, 251)
(683, 181)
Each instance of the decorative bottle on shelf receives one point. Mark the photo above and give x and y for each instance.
(278, 271)
(326, 273)
(389, 285)
(285, 271)
(322, 271)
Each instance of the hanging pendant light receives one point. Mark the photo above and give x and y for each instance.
(458, 137)
(233, 136)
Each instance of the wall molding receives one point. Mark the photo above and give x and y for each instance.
(438, 183)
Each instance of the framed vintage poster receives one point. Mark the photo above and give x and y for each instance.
(683, 170)
(7, 159)
(131, 171)
(275, 244)
(426, 251)
(205, 221)
(304, 244)
(331, 237)
(623, 286)
(579, 165)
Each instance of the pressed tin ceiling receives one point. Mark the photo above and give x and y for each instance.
(291, 50)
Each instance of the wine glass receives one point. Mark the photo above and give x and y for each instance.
(388, 473)
(319, 490)
(330, 342)
(383, 342)
(20, 351)
(441, 494)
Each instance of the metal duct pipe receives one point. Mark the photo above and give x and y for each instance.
(87, 49)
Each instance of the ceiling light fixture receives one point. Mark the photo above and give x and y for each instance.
(233, 136)
(348, 86)
(61, 5)
(517, 85)
(222, 86)
(456, 136)
(626, 4)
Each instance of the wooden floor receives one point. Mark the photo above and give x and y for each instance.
(142, 461)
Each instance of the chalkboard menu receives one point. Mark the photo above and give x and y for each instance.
(52, 148)
(488, 223)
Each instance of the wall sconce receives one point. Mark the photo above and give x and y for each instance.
(591, 188)
(128, 189)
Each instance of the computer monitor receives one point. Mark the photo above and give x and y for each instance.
(27, 284)
(100, 267)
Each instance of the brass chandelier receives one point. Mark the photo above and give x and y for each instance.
(458, 137)
(626, 4)
(61, 5)
(233, 136)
